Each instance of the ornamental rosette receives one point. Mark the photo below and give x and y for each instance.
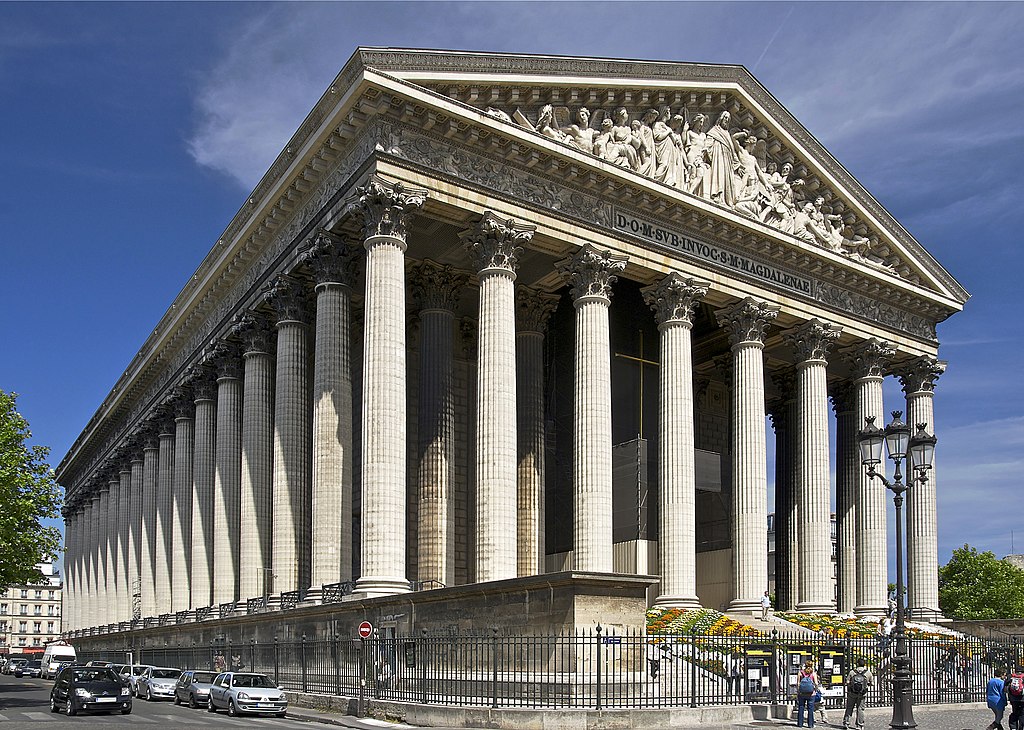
(748, 320)
(387, 207)
(496, 243)
(591, 272)
(674, 299)
(812, 339)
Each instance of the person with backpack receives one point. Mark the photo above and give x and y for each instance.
(858, 682)
(807, 684)
(995, 696)
(1014, 690)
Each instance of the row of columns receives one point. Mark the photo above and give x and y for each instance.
(253, 476)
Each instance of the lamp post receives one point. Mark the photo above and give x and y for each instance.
(919, 451)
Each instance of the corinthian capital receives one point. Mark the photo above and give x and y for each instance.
(869, 359)
(331, 259)
(533, 309)
(253, 331)
(287, 296)
(920, 374)
(591, 272)
(748, 320)
(435, 286)
(812, 339)
(674, 298)
(495, 243)
(387, 207)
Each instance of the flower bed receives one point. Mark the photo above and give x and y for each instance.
(699, 622)
(842, 626)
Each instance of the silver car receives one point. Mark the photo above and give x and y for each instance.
(157, 683)
(133, 676)
(193, 687)
(245, 692)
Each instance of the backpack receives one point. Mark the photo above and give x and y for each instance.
(858, 683)
(806, 687)
(1015, 687)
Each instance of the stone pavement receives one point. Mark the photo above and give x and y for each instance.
(929, 717)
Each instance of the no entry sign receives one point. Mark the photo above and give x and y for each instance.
(365, 629)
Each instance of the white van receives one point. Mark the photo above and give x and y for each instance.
(56, 654)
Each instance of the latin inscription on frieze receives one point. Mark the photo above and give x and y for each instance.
(709, 252)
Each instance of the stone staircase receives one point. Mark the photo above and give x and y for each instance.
(754, 620)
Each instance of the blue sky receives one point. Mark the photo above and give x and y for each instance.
(131, 133)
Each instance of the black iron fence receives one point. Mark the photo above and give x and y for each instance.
(595, 669)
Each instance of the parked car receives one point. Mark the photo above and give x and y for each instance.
(15, 664)
(90, 689)
(34, 668)
(156, 683)
(132, 677)
(193, 687)
(245, 692)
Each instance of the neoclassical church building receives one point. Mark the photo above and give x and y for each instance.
(493, 316)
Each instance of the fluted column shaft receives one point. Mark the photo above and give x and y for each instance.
(811, 342)
(332, 263)
(383, 536)
(227, 482)
(747, 323)
(204, 473)
(257, 465)
(109, 549)
(163, 565)
(533, 311)
(135, 540)
(848, 470)
(181, 540)
(147, 561)
(69, 618)
(124, 494)
(922, 534)
(95, 558)
(786, 537)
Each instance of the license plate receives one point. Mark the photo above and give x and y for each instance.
(264, 704)
(106, 699)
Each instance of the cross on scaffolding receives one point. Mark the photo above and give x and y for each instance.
(641, 362)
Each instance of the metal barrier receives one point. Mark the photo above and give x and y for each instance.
(593, 669)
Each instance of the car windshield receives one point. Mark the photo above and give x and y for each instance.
(166, 673)
(62, 658)
(251, 680)
(35, 663)
(203, 677)
(95, 675)
(139, 669)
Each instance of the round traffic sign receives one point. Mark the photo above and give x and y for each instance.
(365, 629)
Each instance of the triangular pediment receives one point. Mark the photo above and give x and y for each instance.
(710, 134)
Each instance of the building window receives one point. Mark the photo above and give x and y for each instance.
(3, 608)
(37, 626)
(22, 641)
(39, 595)
(50, 612)
(49, 626)
(38, 611)
(52, 596)
(24, 593)
(22, 627)
(23, 609)
(35, 642)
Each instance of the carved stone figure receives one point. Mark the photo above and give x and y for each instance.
(498, 114)
(546, 122)
(723, 163)
(645, 136)
(580, 135)
(666, 151)
(695, 140)
(677, 124)
(622, 135)
(752, 184)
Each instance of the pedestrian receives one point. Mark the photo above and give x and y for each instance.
(806, 687)
(995, 696)
(219, 665)
(892, 607)
(858, 682)
(819, 700)
(653, 657)
(766, 606)
(884, 634)
(236, 663)
(735, 678)
(1014, 691)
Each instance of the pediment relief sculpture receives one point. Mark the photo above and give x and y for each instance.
(711, 158)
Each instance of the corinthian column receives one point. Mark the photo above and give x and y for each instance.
(124, 494)
(437, 289)
(257, 457)
(111, 588)
(164, 519)
(387, 210)
(811, 342)
(747, 322)
(291, 538)
(495, 246)
(533, 309)
(848, 470)
(96, 586)
(147, 560)
(227, 476)
(135, 540)
(787, 545)
(592, 273)
(204, 474)
(673, 300)
(868, 362)
(181, 541)
(333, 264)
(918, 379)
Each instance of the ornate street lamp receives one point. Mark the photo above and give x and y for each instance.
(919, 451)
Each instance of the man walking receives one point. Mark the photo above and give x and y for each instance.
(858, 682)
(766, 606)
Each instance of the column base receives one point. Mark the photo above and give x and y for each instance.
(374, 586)
(808, 607)
(871, 610)
(313, 596)
(744, 605)
(684, 602)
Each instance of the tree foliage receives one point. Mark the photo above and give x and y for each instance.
(977, 586)
(28, 494)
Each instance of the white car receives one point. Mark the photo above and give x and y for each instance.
(245, 692)
(132, 677)
(157, 683)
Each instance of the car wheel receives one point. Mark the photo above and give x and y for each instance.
(54, 707)
(232, 710)
(210, 707)
(69, 708)
(281, 715)
(192, 701)
(149, 694)
(126, 711)
(177, 700)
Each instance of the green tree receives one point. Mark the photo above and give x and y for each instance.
(28, 494)
(975, 586)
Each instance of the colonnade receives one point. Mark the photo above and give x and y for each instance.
(240, 485)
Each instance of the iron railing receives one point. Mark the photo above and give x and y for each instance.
(594, 669)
